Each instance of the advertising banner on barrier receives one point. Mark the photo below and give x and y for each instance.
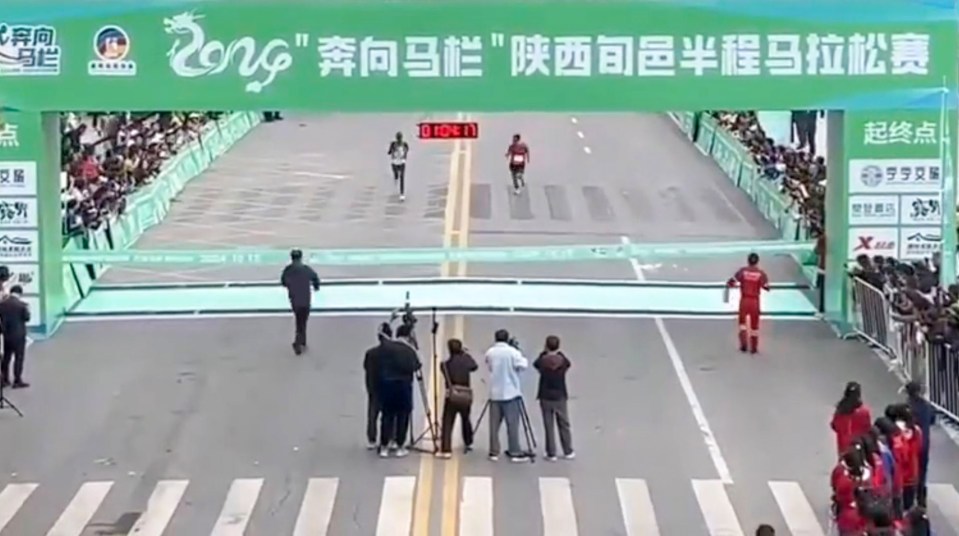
(21, 150)
(894, 162)
(465, 55)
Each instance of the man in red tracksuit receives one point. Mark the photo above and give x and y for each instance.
(751, 280)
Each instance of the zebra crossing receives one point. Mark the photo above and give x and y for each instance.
(476, 508)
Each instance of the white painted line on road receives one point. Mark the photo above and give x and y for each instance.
(636, 503)
(11, 499)
(556, 501)
(320, 175)
(238, 507)
(709, 438)
(396, 507)
(160, 508)
(796, 510)
(946, 498)
(587, 150)
(574, 120)
(476, 506)
(317, 507)
(717, 510)
(81, 509)
(580, 134)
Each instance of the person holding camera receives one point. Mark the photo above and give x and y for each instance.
(14, 317)
(459, 396)
(505, 363)
(552, 365)
(399, 362)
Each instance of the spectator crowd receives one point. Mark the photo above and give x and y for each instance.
(107, 157)
(796, 168)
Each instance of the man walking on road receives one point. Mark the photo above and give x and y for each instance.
(300, 281)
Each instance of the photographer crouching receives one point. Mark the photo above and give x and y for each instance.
(399, 361)
(505, 363)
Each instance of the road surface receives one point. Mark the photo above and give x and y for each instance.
(213, 427)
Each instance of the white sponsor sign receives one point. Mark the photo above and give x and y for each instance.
(872, 241)
(25, 275)
(921, 209)
(18, 178)
(19, 246)
(33, 302)
(895, 175)
(873, 210)
(18, 213)
(919, 242)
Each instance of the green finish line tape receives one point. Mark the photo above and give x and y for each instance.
(371, 257)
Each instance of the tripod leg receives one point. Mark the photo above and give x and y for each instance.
(530, 436)
(481, 415)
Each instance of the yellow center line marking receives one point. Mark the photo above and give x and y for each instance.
(452, 230)
(451, 477)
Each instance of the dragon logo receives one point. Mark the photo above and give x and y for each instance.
(192, 56)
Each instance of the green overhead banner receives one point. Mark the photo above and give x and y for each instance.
(480, 56)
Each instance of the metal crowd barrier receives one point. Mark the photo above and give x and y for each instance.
(935, 364)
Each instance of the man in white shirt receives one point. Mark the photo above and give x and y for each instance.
(505, 364)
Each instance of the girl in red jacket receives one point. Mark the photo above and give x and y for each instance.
(852, 419)
(849, 478)
(910, 452)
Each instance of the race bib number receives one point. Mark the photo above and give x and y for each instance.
(519, 159)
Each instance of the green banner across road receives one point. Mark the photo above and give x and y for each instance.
(444, 55)
(367, 257)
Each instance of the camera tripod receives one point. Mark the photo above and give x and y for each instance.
(432, 424)
(5, 402)
(523, 421)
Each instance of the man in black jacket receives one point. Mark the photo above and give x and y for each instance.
(300, 281)
(371, 367)
(14, 317)
(552, 365)
(399, 362)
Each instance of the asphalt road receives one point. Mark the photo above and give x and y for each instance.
(220, 417)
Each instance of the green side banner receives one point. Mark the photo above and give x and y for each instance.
(368, 257)
(472, 55)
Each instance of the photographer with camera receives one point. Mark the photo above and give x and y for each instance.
(459, 396)
(399, 361)
(505, 362)
(552, 365)
(371, 369)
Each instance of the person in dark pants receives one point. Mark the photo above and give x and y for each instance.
(399, 363)
(924, 416)
(552, 365)
(14, 317)
(398, 151)
(371, 367)
(269, 117)
(300, 281)
(459, 396)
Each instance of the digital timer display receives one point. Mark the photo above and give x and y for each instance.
(448, 131)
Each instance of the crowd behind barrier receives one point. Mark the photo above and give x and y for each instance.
(901, 309)
(107, 157)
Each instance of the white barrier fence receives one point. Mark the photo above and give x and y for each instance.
(917, 354)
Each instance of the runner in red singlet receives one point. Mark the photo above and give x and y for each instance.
(517, 155)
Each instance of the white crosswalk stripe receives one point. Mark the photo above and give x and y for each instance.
(556, 501)
(796, 510)
(238, 507)
(160, 508)
(476, 506)
(396, 506)
(639, 515)
(11, 499)
(316, 513)
(81, 509)
(716, 508)
(317, 507)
